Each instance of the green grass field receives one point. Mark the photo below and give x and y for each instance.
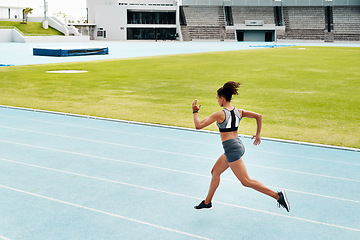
(307, 94)
(31, 28)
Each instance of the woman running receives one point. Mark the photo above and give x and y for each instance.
(228, 121)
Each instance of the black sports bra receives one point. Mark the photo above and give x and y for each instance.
(231, 122)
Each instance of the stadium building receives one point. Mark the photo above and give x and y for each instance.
(225, 20)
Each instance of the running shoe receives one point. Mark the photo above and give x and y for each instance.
(203, 205)
(283, 201)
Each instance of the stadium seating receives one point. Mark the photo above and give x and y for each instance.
(241, 14)
(305, 23)
(346, 23)
(204, 23)
(301, 23)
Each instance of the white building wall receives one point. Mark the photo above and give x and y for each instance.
(15, 12)
(92, 5)
(113, 20)
(6, 35)
(111, 15)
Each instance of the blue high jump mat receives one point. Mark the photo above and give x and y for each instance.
(70, 51)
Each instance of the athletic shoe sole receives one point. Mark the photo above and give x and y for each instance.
(286, 201)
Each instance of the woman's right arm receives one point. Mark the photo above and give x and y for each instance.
(207, 121)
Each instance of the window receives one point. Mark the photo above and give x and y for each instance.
(151, 33)
(151, 17)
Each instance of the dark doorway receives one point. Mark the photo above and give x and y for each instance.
(240, 36)
(269, 36)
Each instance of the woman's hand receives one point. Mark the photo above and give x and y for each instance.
(257, 139)
(195, 107)
(207, 121)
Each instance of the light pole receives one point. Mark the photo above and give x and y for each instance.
(44, 10)
(45, 23)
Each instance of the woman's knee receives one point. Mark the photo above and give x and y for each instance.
(246, 182)
(215, 173)
(220, 166)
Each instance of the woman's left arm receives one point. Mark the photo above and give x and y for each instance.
(258, 118)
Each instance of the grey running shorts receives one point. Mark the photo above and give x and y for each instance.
(234, 149)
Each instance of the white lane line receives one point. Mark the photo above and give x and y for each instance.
(128, 146)
(172, 193)
(115, 144)
(4, 238)
(291, 217)
(306, 173)
(102, 130)
(305, 157)
(97, 178)
(102, 158)
(175, 153)
(106, 213)
(178, 171)
(175, 139)
(317, 195)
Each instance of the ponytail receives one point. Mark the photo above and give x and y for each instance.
(230, 88)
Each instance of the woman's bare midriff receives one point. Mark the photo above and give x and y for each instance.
(228, 135)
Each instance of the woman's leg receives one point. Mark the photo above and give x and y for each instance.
(239, 169)
(219, 167)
